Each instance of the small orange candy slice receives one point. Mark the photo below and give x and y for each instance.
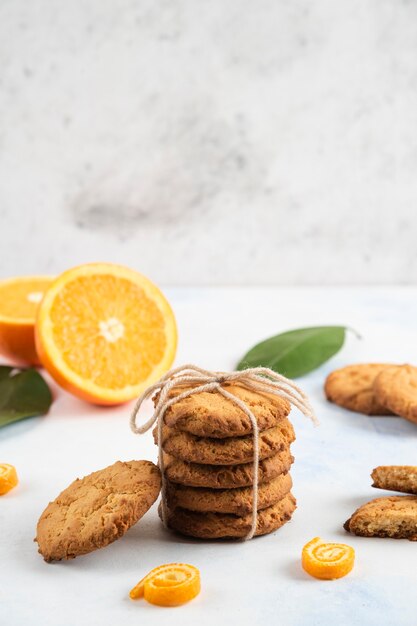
(327, 561)
(169, 585)
(8, 478)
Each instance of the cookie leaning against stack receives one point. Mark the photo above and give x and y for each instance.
(208, 452)
(96, 510)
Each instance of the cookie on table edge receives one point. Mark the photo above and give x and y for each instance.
(351, 387)
(224, 525)
(227, 451)
(96, 510)
(209, 414)
(394, 517)
(395, 478)
(237, 501)
(226, 476)
(396, 389)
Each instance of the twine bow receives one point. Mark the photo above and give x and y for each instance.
(259, 379)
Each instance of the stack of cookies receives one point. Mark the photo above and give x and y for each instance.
(208, 449)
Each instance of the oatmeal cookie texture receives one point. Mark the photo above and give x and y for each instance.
(226, 476)
(394, 517)
(209, 414)
(228, 451)
(224, 525)
(395, 478)
(237, 501)
(208, 450)
(396, 389)
(352, 387)
(98, 509)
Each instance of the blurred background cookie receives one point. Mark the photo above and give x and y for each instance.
(395, 388)
(352, 388)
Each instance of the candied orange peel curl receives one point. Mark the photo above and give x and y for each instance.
(327, 561)
(8, 478)
(168, 585)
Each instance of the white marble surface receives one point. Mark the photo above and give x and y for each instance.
(210, 142)
(260, 582)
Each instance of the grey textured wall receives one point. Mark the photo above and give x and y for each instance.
(209, 141)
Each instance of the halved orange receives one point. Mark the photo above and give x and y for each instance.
(105, 332)
(19, 301)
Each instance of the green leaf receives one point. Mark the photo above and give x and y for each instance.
(296, 352)
(23, 393)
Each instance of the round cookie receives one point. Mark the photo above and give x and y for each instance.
(97, 509)
(228, 451)
(396, 389)
(226, 476)
(352, 388)
(393, 517)
(224, 525)
(237, 501)
(209, 414)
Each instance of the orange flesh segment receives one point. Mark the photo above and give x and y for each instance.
(116, 325)
(105, 332)
(19, 303)
(8, 478)
(169, 585)
(327, 561)
(20, 297)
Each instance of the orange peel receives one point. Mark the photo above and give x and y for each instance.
(168, 585)
(8, 478)
(327, 561)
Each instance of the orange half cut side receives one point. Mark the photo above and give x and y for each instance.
(19, 301)
(105, 332)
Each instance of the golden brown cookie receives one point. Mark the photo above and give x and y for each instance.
(228, 451)
(396, 389)
(225, 476)
(394, 517)
(352, 388)
(395, 478)
(237, 501)
(209, 414)
(224, 525)
(97, 509)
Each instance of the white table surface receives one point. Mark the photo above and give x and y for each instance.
(256, 582)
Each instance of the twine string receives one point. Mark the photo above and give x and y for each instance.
(197, 380)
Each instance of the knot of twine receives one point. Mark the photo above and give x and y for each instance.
(259, 379)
